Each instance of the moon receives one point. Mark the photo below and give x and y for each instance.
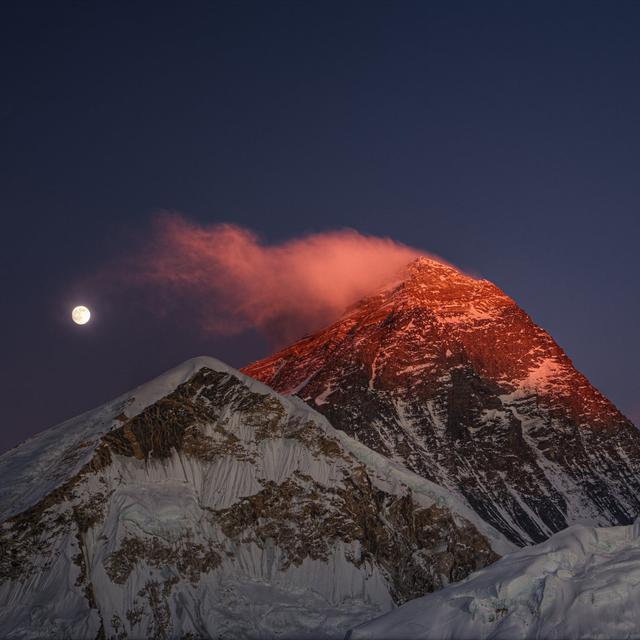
(81, 315)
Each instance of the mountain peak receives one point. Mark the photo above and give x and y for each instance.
(445, 293)
(221, 509)
(444, 372)
(425, 266)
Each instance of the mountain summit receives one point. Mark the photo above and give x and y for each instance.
(204, 505)
(445, 374)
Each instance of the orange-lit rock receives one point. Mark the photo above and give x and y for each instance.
(445, 373)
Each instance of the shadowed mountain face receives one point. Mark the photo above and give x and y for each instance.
(205, 505)
(445, 374)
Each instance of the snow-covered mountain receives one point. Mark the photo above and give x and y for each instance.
(583, 582)
(205, 505)
(419, 438)
(446, 375)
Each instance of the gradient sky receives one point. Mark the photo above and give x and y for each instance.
(503, 136)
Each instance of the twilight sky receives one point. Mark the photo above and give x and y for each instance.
(502, 136)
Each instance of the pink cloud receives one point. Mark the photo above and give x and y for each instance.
(226, 279)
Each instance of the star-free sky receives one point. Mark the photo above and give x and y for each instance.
(502, 136)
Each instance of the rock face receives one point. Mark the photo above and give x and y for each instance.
(583, 582)
(446, 375)
(205, 505)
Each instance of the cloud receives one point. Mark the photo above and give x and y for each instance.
(227, 280)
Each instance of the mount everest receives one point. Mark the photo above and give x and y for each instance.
(430, 431)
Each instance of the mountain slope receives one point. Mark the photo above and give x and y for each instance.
(446, 375)
(204, 505)
(43, 462)
(583, 582)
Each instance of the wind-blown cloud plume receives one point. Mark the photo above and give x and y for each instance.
(226, 279)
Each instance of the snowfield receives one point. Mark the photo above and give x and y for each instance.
(584, 582)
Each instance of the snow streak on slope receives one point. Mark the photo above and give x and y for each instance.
(444, 374)
(583, 582)
(207, 506)
(40, 464)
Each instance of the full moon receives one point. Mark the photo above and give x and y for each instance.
(81, 315)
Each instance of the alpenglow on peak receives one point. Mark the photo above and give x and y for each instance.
(445, 372)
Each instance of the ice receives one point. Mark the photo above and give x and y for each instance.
(583, 582)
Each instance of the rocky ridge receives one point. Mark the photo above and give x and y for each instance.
(446, 375)
(204, 505)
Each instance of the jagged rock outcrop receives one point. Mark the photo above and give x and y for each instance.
(447, 375)
(205, 505)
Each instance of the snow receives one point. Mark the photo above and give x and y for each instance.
(583, 582)
(472, 313)
(415, 368)
(322, 398)
(254, 592)
(40, 464)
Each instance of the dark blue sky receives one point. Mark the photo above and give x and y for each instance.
(503, 136)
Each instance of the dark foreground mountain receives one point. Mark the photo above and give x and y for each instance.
(205, 505)
(446, 375)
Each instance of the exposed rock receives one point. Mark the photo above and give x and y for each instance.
(213, 494)
(445, 373)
